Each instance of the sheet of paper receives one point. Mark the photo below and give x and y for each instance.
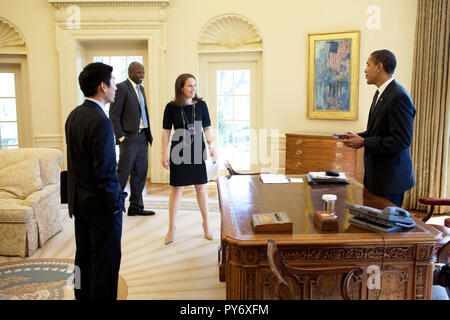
(212, 169)
(273, 178)
(296, 180)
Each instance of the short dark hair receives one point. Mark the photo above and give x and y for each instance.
(386, 58)
(92, 76)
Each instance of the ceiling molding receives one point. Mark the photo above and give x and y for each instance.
(111, 3)
(77, 14)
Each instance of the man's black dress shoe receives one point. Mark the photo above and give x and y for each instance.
(133, 211)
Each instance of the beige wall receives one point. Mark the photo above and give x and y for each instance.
(284, 25)
(35, 21)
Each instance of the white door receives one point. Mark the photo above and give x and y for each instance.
(118, 54)
(232, 100)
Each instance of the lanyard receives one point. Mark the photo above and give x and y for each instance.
(190, 128)
(183, 115)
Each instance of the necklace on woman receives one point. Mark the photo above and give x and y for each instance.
(189, 126)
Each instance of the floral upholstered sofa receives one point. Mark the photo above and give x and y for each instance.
(29, 199)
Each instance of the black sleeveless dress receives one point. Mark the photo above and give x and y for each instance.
(188, 148)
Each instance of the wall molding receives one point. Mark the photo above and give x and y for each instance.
(11, 39)
(49, 141)
(109, 20)
(229, 32)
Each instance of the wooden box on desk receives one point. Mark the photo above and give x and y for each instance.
(325, 221)
(271, 222)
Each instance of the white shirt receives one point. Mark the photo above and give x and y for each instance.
(383, 87)
(141, 124)
(99, 103)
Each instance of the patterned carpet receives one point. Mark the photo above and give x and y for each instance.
(46, 279)
(152, 270)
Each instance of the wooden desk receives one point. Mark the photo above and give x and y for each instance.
(406, 256)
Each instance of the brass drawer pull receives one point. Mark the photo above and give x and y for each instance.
(298, 142)
(339, 155)
(298, 152)
(298, 164)
(339, 144)
(338, 168)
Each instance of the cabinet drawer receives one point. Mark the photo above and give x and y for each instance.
(321, 153)
(305, 166)
(317, 142)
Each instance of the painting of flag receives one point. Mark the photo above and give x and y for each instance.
(333, 75)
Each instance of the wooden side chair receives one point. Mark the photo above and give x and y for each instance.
(231, 171)
(281, 270)
(443, 246)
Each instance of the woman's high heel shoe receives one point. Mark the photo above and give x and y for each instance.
(169, 237)
(208, 235)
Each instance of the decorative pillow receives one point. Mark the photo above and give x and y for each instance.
(22, 178)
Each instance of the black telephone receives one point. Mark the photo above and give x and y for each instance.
(391, 219)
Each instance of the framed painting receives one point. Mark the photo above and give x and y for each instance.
(333, 75)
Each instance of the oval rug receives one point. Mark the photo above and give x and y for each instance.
(42, 279)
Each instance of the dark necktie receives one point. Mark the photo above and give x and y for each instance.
(374, 103)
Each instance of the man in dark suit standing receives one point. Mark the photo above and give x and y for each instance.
(129, 115)
(387, 139)
(94, 194)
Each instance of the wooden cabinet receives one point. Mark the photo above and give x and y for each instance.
(305, 153)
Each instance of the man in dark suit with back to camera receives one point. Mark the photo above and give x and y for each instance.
(387, 139)
(95, 196)
(129, 115)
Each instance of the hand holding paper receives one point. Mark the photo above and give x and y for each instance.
(212, 169)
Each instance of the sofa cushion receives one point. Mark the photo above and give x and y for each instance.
(6, 195)
(49, 160)
(13, 210)
(22, 178)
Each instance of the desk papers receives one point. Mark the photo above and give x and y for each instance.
(321, 177)
(273, 178)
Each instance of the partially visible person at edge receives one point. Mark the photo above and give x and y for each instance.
(95, 197)
(388, 170)
(188, 115)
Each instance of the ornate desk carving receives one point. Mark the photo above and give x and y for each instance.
(406, 257)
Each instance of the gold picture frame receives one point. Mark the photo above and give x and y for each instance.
(333, 75)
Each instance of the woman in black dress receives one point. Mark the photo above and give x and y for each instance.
(188, 115)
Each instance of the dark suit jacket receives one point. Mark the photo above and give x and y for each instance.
(125, 112)
(387, 159)
(93, 184)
